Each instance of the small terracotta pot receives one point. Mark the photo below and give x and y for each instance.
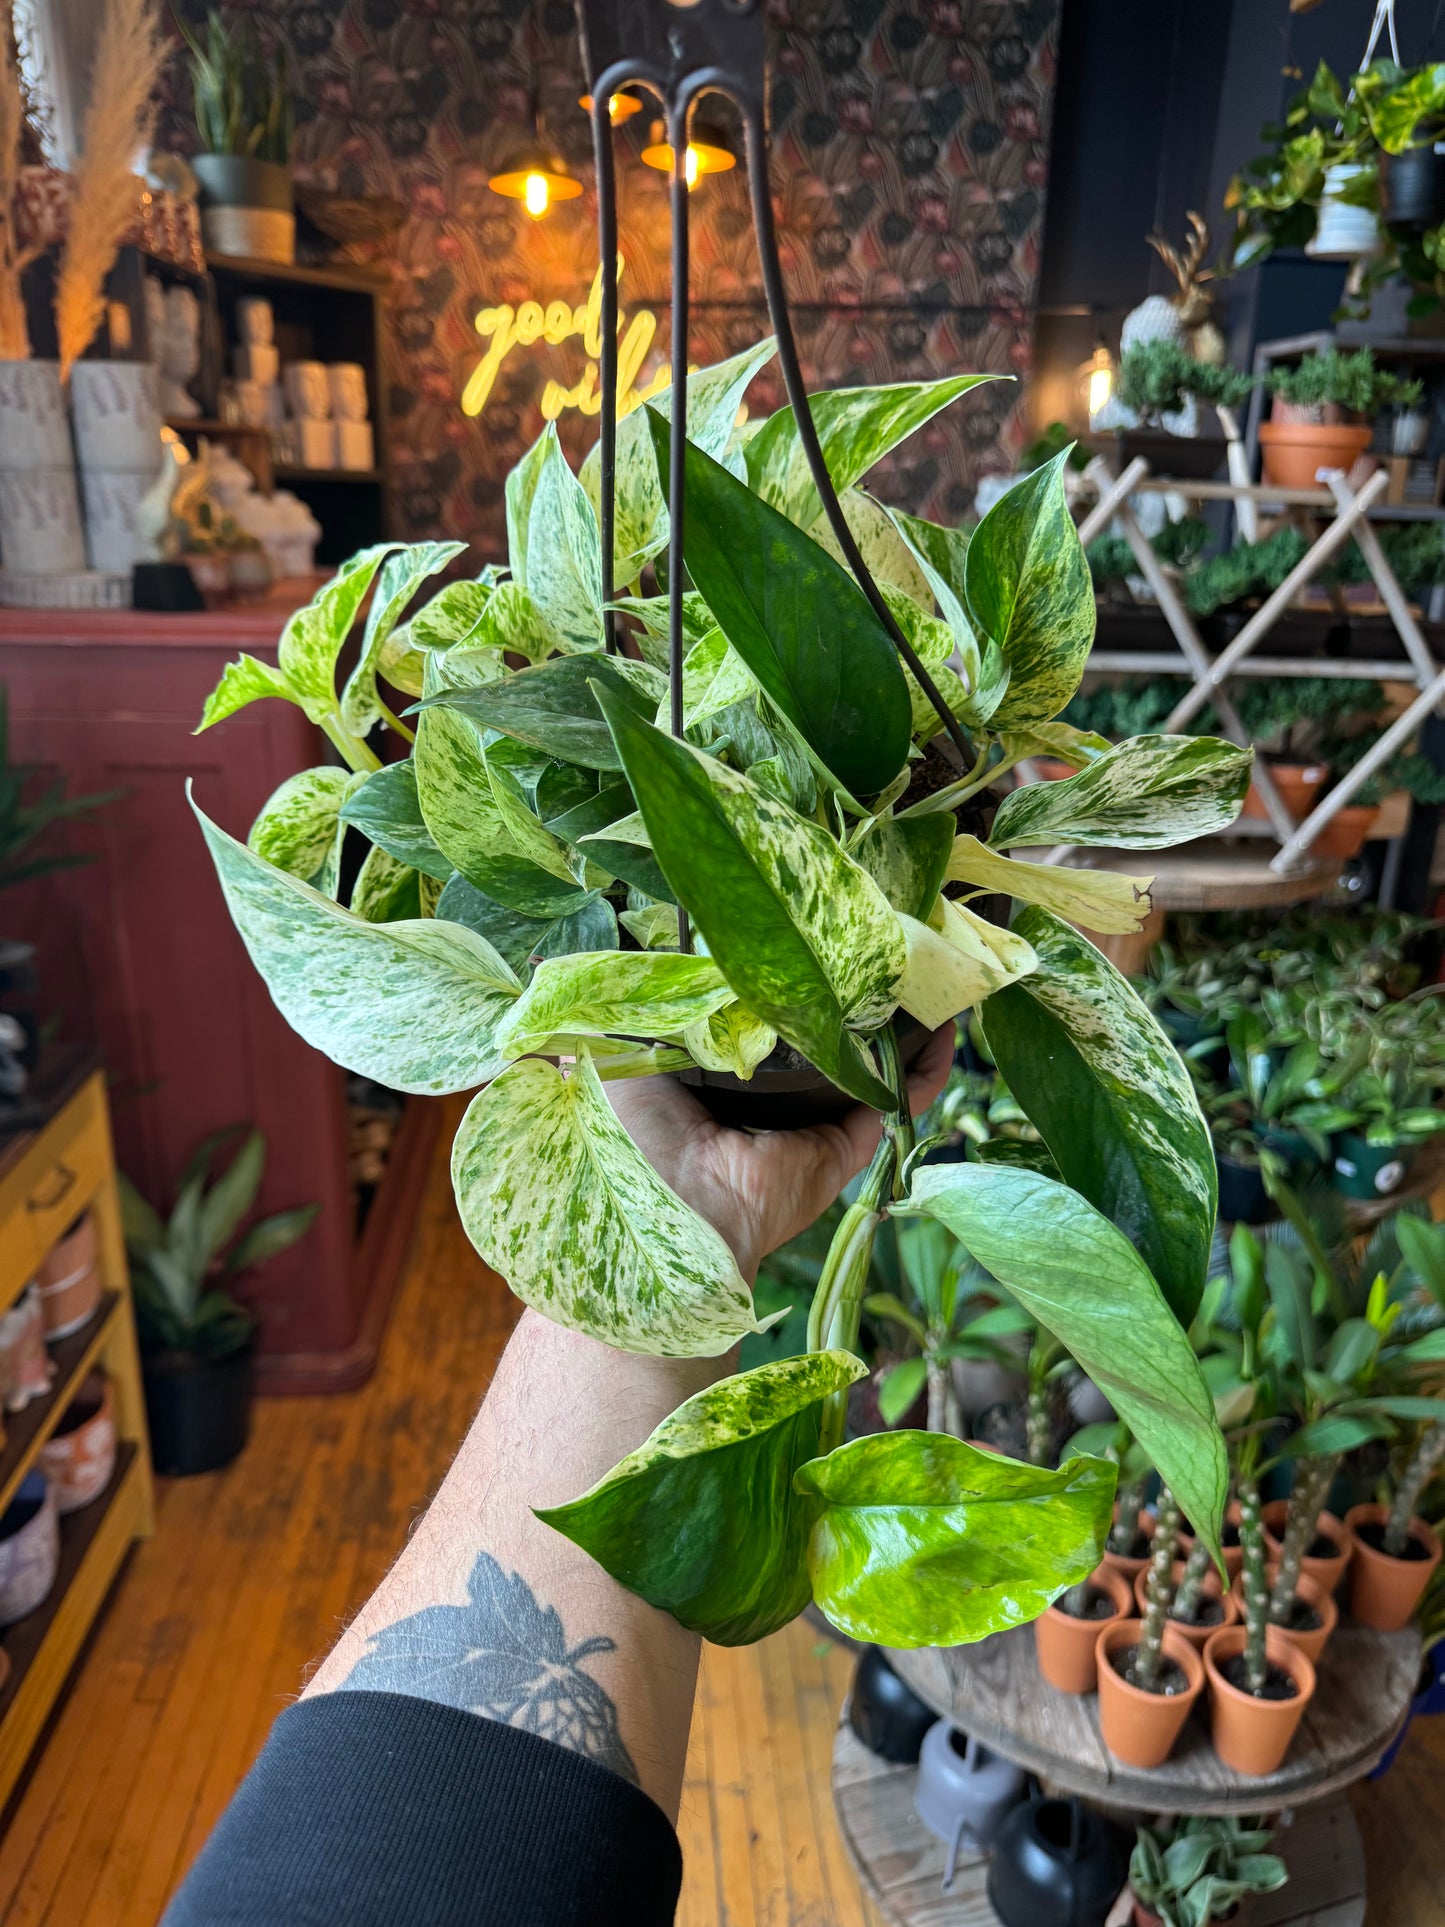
(1347, 832)
(79, 1457)
(1140, 1728)
(1295, 452)
(1384, 1592)
(1325, 1572)
(69, 1279)
(1065, 1645)
(1198, 1636)
(1053, 769)
(1298, 785)
(1252, 1736)
(1313, 1594)
(1129, 1566)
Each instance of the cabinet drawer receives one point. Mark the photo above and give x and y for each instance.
(52, 1183)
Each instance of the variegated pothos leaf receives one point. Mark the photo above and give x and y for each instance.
(1102, 900)
(1146, 794)
(299, 827)
(637, 993)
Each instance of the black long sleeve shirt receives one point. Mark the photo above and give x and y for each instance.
(384, 1810)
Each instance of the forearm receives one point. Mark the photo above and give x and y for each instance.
(490, 1610)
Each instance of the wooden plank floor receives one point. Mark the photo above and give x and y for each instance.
(253, 1570)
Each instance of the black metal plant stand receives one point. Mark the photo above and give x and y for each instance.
(679, 51)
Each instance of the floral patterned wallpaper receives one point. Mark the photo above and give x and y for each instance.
(909, 170)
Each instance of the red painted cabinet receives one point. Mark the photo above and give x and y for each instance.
(138, 953)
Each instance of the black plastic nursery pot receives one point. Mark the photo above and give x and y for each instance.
(1412, 189)
(239, 180)
(787, 1093)
(1194, 458)
(198, 1409)
(1242, 1196)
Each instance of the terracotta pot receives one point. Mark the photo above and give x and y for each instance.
(1143, 1916)
(1298, 785)
(69, 1279)
(79, 1457)
(1347, 832)
(1384, 1592)
(1052, 769)
(29, 1548)
(1198, 1636)
(1325, 1572)
(1065, 1645)
(1140, 1728)
(1295, 452)
(1251, 1735)
(1128, 1565)
(1313, 1594)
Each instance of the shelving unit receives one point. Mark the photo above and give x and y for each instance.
(49, 1174)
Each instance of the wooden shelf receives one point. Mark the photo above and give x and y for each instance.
(371, 475)
(72, 1357)
(44, 1645)
(1216, 876)
(351, 277)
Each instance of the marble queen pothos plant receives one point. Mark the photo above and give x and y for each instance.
(515, 926)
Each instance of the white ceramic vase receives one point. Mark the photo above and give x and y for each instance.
(40, 528)
(1343, 232)
(116, 409)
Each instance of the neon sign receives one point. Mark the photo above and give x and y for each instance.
(505, 328)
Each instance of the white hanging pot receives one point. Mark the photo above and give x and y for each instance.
(117, 413)
(1343, 232)
(40, 531)
(963, 1791)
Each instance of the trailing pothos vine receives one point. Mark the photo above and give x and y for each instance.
(515, 925)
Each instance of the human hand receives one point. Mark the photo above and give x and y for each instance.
(760, 1189)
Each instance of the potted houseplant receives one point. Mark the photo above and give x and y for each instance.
(1126, 1550)
(1149, 1673)
(197, 1343)
(1200, 1868)
(1319, 417)
(1390, 1103)
(1158, 380)
(28, 815)
(1296, 722)
(241, 101)
(551, 828)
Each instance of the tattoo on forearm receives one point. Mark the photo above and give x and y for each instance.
(505, 1657)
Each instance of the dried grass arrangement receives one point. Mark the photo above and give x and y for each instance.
(119, 121)
(14, 336)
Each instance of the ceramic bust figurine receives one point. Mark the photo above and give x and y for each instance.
(257, 358)
(175, 322)
(308, 396)
(354, 447)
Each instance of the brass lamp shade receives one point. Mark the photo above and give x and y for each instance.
(708, 152)
(536, 179)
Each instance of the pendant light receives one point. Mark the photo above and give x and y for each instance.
(708, 151)
(620, 106)
(534, 175)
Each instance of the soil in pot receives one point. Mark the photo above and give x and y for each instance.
(1066, 1635)
(199, 1410)
(1140, 1728)
(1313, 1613)
(1213, 1609)
(1385, 1591)
(1252, 1734)
(1136, 1558)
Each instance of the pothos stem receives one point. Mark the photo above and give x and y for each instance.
(355, 754)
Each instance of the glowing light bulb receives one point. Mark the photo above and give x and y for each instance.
(1098, 374)
(535, 195)
(689, 165)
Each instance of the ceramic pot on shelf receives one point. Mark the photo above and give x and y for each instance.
(1326, 1569)
(1212, 1589)
(963, 1791)
(40, 527)
(1295, 452)
(1311, 1643)
(1065, 1645)
(29, 1548)
(1141, 1728)
(117, 413)
(1252, 1736)
(1347, 832)
(1385, 1591)
(1298, 785)
(1370, 1171)
(247, 206)
(79, 1457)
(69, 1279)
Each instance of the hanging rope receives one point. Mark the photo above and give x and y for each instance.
(1384, 17)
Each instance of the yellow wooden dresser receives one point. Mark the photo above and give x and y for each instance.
(48, 1176)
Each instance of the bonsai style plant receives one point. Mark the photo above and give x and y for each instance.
(1157, 378)
(561, 842)
(1198, 1868)
(197, 1341)
(1320, 417)
(241, 102)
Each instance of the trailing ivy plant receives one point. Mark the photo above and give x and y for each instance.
(516, 922)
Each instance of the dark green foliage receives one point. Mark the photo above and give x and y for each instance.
(24, 823)
(1351, 382)
(1157, 378)
(1247, 570)
(241, 100)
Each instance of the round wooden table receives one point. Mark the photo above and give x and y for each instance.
(993, 1690)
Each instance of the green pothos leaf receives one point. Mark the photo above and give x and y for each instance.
(641, 993)
(886, 556)
(384, 807)
(402, 574)
(1145, 794)
(1029, 588)
(559, 1200)
(923, 1540)
(312, 638)
(1082, 1279)
(246, 680)
(414, 1005)
(907, 858)
(1106, 1091)
(731, 1039)
(956, 960)
(389, 891)
(702, 1520)
(523, 940)
(556, 554)
(800, 931)
(299, 827)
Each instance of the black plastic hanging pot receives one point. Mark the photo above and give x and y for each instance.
(1056, 1863)
(787, 1093)
(1412, 189)
(198, 1409)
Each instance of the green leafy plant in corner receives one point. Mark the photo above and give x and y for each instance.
(241, 99)
(1332, 381)
(515, 926)
(28, 813)
(182, 1265)
(1198, 1868)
